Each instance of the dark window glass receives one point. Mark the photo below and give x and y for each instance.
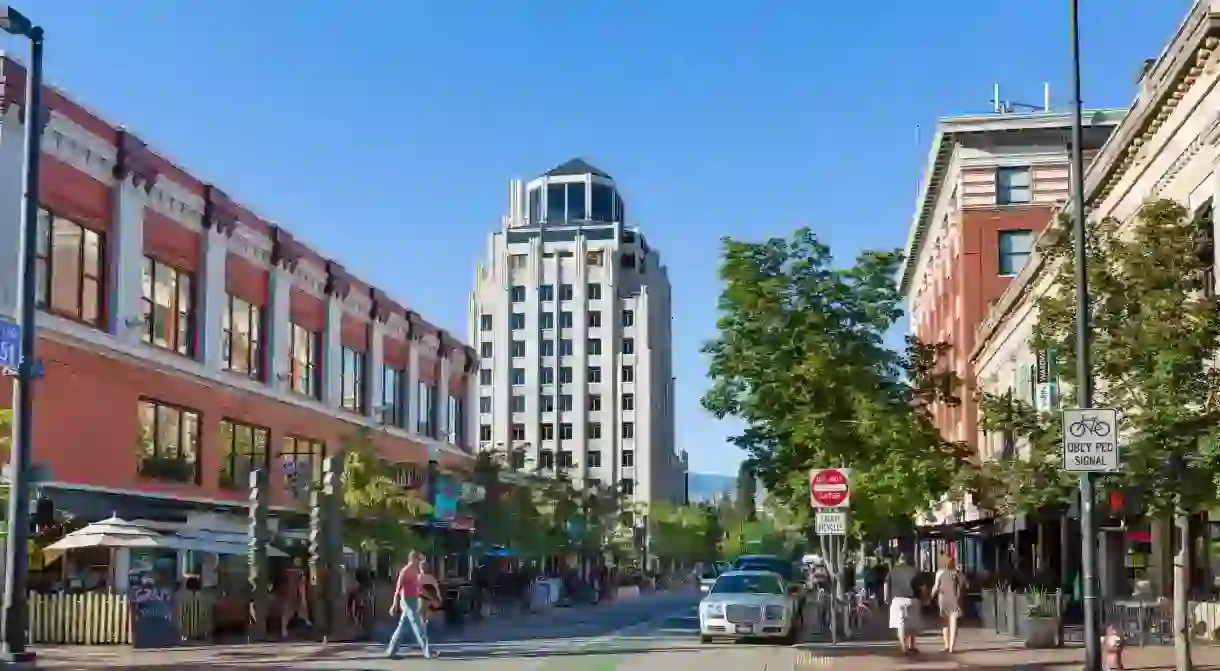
(535, 198)
(393, 410)
(555, 205)
(168, 307)
(1015, 248)
(620, 212)
(245, 448)
(601, 205)
(240, 338)
(68, 269)
(304, 354)
(301, 463)
(169, 442)
(351, 377)
(426, 397)
(576, 202)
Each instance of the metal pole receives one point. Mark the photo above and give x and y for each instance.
(1084, 380)
(16, 557)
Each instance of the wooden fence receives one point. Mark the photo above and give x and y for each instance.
(98, 618)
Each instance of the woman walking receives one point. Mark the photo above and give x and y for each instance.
(948, 589)
(407, 600)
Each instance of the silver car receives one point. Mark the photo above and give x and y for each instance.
(750, 604)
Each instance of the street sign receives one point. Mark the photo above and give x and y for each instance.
(10, 344)
(830, 487)
(831, 523)
(1090, 440)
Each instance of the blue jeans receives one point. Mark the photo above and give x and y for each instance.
(409, 619)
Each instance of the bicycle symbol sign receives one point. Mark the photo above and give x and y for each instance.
(1090, 440)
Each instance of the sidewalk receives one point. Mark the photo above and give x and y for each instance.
(981, 649)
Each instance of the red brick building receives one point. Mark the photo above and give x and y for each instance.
(186, 340)
(991, 185)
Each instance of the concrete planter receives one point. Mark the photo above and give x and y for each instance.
(1040, 632)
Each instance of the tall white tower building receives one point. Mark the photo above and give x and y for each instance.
(571, 316)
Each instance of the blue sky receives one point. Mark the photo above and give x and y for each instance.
(385, 132)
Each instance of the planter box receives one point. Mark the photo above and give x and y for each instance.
(1040, 632)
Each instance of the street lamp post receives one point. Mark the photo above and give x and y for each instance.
(16, 562)
(1084, 379)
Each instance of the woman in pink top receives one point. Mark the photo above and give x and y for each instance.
(406, 600)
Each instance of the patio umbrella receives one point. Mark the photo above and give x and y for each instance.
(110, 533)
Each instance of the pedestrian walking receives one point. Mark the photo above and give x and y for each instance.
(904, 604)
(406, 605)
(947, 589)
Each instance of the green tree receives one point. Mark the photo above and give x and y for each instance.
(801, 359)
(747, 489)
(1155, 331)
(380, 512)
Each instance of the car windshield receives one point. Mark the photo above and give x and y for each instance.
(779, 566)
(709, 572)
(747, 584)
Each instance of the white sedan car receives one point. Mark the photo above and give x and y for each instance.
(750, 604)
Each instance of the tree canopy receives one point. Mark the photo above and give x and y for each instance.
(801, 358)
(380, 512)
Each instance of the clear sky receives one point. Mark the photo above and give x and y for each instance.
(384, 132)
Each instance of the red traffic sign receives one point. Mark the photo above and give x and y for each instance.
(829, 487)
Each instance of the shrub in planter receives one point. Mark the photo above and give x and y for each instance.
(1041, 619)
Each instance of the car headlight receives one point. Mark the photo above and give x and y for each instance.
(775, 613)
(713, 609)
(705, 588)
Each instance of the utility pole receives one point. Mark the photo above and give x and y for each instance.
(1084, 378)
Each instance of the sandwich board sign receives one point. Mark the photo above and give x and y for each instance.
(1090, 440)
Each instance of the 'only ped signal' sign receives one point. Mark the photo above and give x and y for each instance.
(830, 487)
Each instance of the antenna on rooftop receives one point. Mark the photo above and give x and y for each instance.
(1001, 106)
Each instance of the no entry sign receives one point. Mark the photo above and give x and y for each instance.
(829, 487)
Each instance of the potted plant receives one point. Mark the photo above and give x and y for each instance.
(1041, 618)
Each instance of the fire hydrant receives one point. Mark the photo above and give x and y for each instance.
(1112, 649)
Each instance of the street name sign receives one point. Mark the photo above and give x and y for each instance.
(10, 344)
(831, 523)
(830, 487)
(1090, 440)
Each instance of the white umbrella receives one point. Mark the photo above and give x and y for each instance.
(218, 542)
(112, 533)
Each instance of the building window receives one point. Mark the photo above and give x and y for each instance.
(546, 460)
(546, 403)
(485, 350)
(301, 461)
(393, 407)
(594, 291)
(593, 458)
(1015, 249)
(548, 375)
(69, 269)
(628, 318)
(246, 449)
(517, 376)
(595, 374)
(516, 293)
(485, 322)
(485, 404)
(565, 292)
(517, 459)
(628, 373)
(241, 330)
(628, 401)
(565, 375)
(518, 348)
(546, 320)
(484, 432)
(517, 404)
(565, 459)
(626, 260)
(484, 376)
(628, 345)
(628, 459)
(546, 292)
(169, 442)
(565, 403)
(595, 319)
(565, 347)
(425, 424)
(594, 346)
(455, 412)
(304, 353)
(629, 429)
(595, 430)
(1012, 186)
(628, 487)
(548, 347)
(518, 432)
(517, 261)
(595, 258)
(548, 431)
(351, 377)
(516, 321)
(168, 307)
(595, 402)
(565, 431)
(565, 320)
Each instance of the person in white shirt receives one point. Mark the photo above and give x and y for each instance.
(904, 603)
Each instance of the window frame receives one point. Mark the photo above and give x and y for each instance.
(230, 477)
(254, 342)
(1003, 256)
(351, 363)
(156, 465)
(393, 396)
(45, 275)
(311, 366)
(1004, 187)
(182, 322)
(315, 458)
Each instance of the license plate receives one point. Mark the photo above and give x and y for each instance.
(745, 629)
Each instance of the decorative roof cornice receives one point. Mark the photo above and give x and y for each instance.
(219, 211)
(285, 250)
(135, 161)
(338, 280)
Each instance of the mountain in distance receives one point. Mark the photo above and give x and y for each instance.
(704, 487)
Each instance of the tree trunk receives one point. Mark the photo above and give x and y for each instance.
(1181, 590)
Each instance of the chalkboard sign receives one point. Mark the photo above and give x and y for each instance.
(154, 618)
